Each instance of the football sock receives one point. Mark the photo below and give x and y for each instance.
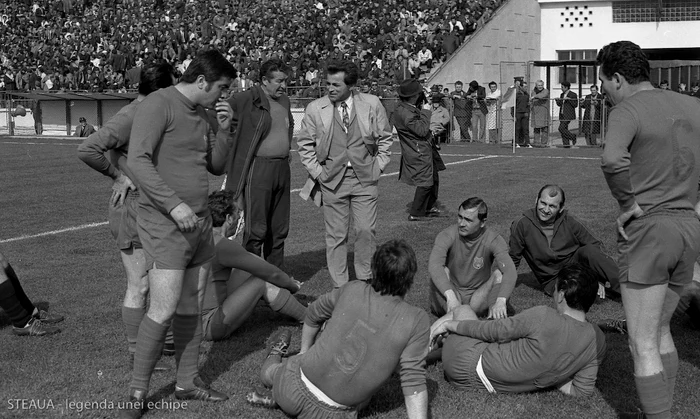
(12, 306)
(132, 318)
(149, 346)
(19, 291)
(670, 361)
(653, 394)
(286, 304)
(269, 368)
(187, 331)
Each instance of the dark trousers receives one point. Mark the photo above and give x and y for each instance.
(426, 196)
(566, 135)
(464, 123)
(267, 197)
(522, 129)
(606, 269)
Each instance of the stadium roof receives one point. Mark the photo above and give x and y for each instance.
(40, 95)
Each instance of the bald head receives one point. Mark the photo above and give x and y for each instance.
(549, 203)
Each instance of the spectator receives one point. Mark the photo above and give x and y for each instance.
(83, 129)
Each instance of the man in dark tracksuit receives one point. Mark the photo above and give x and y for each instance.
(258, 171)
(567, 103)
(549, 239)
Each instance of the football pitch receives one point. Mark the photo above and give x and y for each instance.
(55, 234)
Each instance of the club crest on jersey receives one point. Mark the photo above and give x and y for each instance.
(478, 263)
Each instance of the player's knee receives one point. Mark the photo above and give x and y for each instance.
(465, 312)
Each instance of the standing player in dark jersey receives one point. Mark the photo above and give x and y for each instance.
(651, 163)
(170, 153)
(113, 137)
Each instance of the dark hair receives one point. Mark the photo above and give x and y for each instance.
(557, 191)
(459, 82)
(272, 65)
(220, 205)
(625, 58)
(566, 83)
(393, 268)
(348, 67)
(156, 76)
(493, 83)
(579, 284)
(475, 202)
(210, 64)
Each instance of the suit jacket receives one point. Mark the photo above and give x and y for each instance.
(84, 132)
(568, 102)
(315, 137)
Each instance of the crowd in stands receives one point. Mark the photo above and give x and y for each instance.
(98, 45)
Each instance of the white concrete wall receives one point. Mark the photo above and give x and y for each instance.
(603, 31)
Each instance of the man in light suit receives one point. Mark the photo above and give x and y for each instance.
(344, 143)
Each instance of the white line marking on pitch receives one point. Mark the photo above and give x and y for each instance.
(99, 224)
(51, 233)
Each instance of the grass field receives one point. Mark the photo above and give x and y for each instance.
(54, 233)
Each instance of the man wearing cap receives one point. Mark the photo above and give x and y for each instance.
(567, 103)
(420, 161)
(343, 143)
(439, 118)
(84, 129)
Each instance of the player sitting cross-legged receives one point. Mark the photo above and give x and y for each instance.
(238, 279)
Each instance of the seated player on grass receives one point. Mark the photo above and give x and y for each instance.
(370, 331)
(238, 279)
(537, 349)
(27, 319)
(470, 265)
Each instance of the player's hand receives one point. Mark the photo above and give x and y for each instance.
(224, 114)
(437, 329)
(296, 285)
(498, 310)
(121, 186)
(601, 291)
(452, 301)
(185, 218)
(627, 216)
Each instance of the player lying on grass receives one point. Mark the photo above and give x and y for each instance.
(238, 279)
(536, 349)
(370, 331)
(113, 138)
(27, 319)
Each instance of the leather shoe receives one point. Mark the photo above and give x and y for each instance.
(414, 218)
(434, 212)
(201, 391)
(134, 407)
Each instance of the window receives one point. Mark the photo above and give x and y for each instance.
(655, 10)
(570, 74)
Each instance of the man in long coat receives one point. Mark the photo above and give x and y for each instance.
(420, 161)
(592, 106)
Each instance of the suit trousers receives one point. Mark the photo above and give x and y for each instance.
(464, 123)
(349, 199)
(267, 198)
(522, 128)
(479, 125)
(566, 135)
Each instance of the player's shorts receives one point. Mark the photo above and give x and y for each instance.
(295, 399)
(166, 247)
(438, 302)
(122, 222)
(213, 325)
(661, 249)
(460, 354)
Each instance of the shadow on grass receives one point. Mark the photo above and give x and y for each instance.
(305, 265)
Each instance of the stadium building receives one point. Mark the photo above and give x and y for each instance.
(522, 32)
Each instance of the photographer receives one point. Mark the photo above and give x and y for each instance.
(420, 160)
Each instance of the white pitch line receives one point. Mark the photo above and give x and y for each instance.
(396, 173)
(23, 143)
(91, 225)
(51, 233)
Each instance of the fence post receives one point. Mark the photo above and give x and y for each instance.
(10, 118)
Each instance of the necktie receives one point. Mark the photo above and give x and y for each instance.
(344, 113)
